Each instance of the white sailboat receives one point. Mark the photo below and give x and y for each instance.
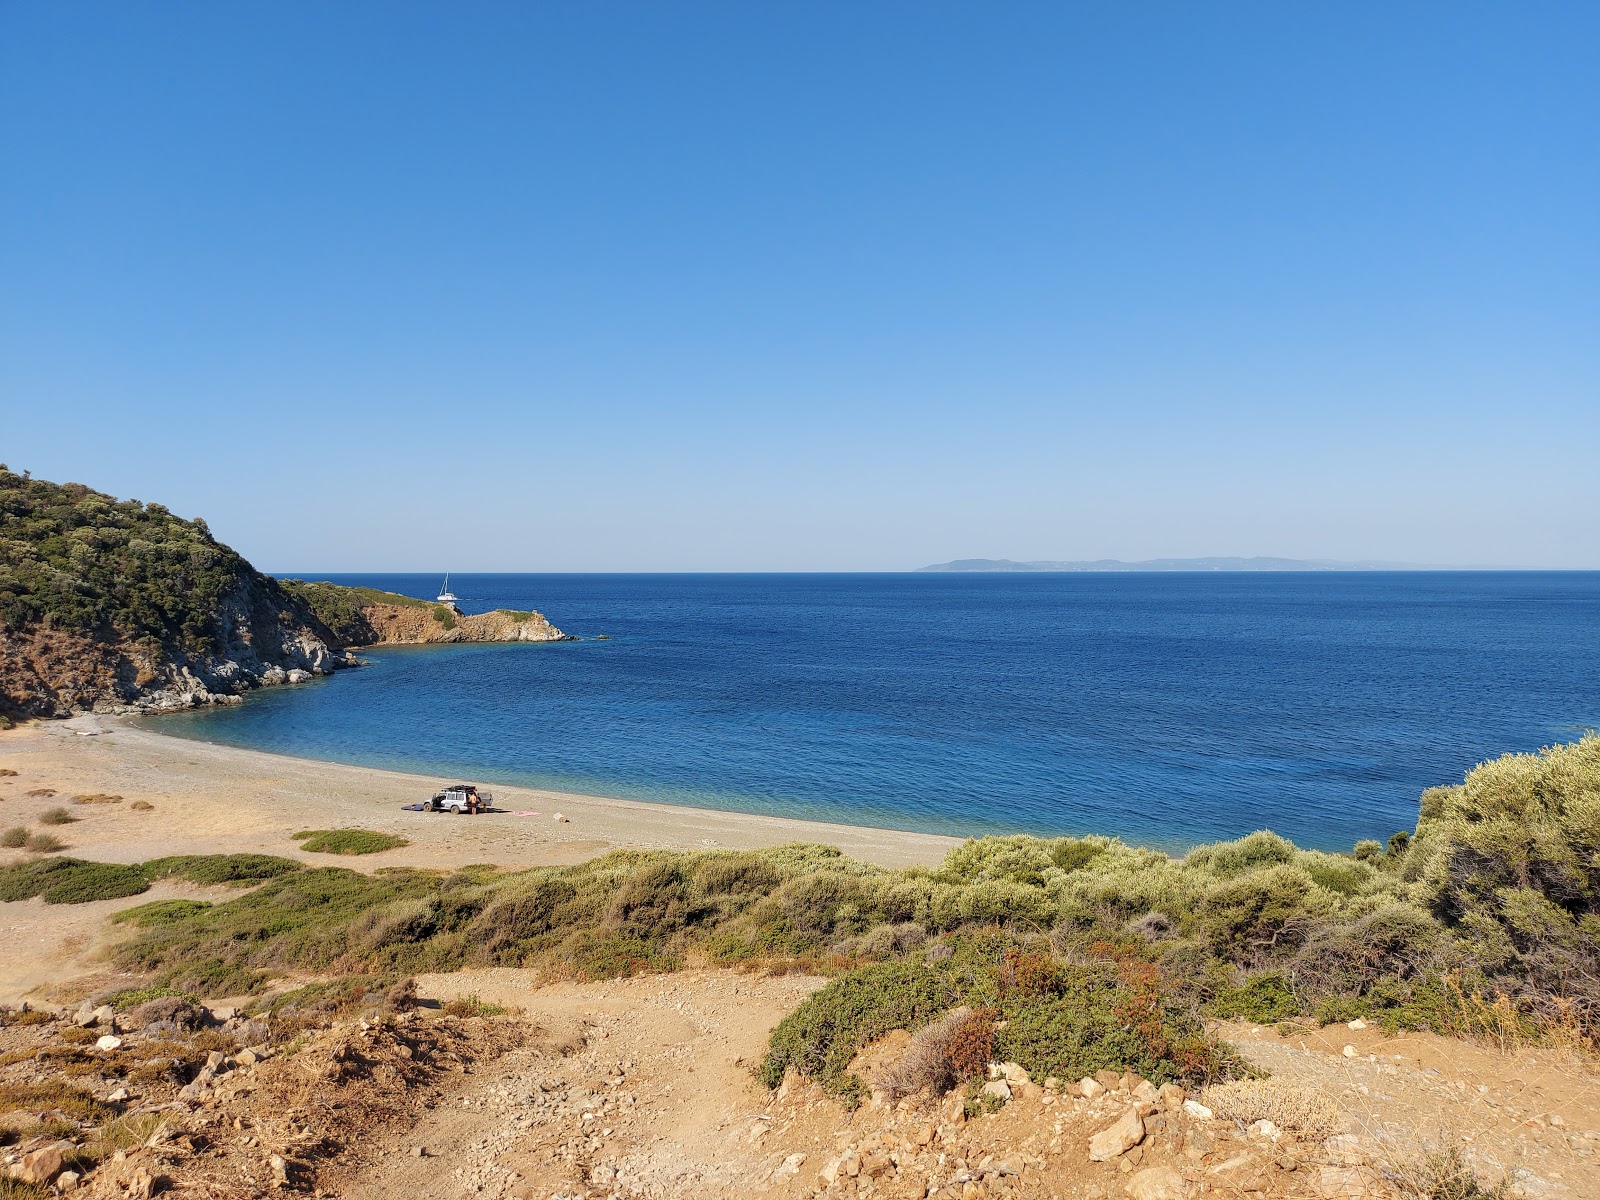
(446, 596)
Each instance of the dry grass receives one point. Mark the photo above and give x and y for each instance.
(1286, 1105)
(126, 1133)
(56, 816)
(142, 806)
(19, 1017)
(44, 843)
(42, 793)
(52, 1094)
(97, 798)
(929, 1063)
(14, 838)
(1447, 1174)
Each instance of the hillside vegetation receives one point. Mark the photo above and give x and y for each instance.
(115, 605)
(81, 560)
(1064, 951)
(346, 610)
(107, 602)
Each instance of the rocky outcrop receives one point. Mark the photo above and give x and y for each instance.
(116, 606)
(261, 637)
(397, 625)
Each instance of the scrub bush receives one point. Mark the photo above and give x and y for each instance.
(71, 881)
(221, 868)
(348, 841)
(735, 874)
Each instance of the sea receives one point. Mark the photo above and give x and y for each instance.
(1164, 709)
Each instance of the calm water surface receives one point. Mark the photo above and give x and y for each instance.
(1166, 709)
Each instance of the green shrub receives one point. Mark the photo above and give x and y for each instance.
(240, 869)
(597, 955)
(160, 912)
(821, 1036)
(133, 997)
(1229, 859)
(71, 881)
(656, 899)
(735, 874)
(1265, 999)
(348, 841)
(1257, 916)
(444, 616)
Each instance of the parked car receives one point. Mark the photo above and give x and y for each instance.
(457, 798)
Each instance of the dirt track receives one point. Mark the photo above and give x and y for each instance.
(655, 1098)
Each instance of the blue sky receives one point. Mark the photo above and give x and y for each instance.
(803, 286)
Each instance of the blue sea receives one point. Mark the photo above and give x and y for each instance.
(1166, 709)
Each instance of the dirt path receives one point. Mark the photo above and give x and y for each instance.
(1532, 1116)
(642, 1088)
(654, 1094)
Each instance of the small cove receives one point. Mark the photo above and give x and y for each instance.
(1164, 709)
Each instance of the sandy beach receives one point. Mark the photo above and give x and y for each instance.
(208, 799)
(211, 799)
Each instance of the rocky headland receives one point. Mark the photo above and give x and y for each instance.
(116, 606)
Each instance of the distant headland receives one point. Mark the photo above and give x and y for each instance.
(1192, 564)
(116, 606)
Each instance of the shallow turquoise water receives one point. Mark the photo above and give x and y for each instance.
(1167, 709)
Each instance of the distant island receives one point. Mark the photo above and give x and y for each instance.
(1186, 564)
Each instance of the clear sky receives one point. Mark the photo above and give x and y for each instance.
(811, 285)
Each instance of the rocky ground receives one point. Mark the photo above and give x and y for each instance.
(643, 1088)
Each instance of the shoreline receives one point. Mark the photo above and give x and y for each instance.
(214, 798)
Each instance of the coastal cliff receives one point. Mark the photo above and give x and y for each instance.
(116, 606)
(369, 617)
(397, 625)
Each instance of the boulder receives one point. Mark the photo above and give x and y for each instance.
(1145, 1091)
(998, 1088)
(1198, 1111)
(1122, 1135)
(109, 1042)
(1090, 1088)
(1014, 1074)
(1172, 1095)
(1156, 1183)
(44, 1164)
